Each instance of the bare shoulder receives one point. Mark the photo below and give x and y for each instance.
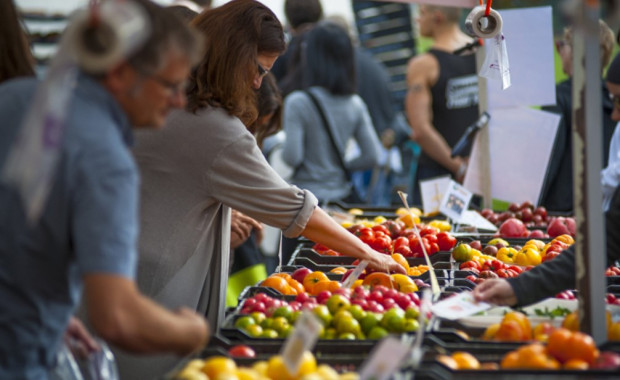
(422, 69)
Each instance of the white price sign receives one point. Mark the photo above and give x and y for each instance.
(455, 201)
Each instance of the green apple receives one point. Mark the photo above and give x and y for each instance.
(329, 333)
(283, 311)
(337, 302)
(357, 312)
(323, 314)
(254, 330)
(348, 325)
(294, 316)
(243, 322)
(258, 316)
(369, 321)
(377, 332)
(286, 331)
(340, 315)
(412, 313)
(269, 333)
(280, 324)
(393, 320)
(411, 325)
(346, 336)
(266, 323)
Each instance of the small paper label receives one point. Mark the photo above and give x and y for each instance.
(303, 338)
(432, 192)
(496, 65)
(460, 306)
(355, 274)
(384, 360)
(455, 201)
(472, 218)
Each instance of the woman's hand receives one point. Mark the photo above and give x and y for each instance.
(241, 227)
(384, 263)
(495, 291)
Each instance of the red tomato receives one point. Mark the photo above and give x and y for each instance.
(382, 228)
(469, 264)
(400, 242)
(515, 268)
(550, 255)
(367, 235)
(416, 246)
(319, 248)
(382, 244)
(445, 241)
(493, 265)
(394, 227)
(428, 230)
(432, 238)
(404, 250)
(434, 247)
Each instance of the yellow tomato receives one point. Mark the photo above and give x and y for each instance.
(441, 225)
(379, 219)
(528, 256)
(565, 239)
(507, 255)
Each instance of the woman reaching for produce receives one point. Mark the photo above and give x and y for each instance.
(205, 162)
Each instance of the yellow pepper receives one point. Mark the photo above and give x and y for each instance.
(528, 256)
(507, 254)
(441, 225)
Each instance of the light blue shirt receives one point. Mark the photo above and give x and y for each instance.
(610, 176)
(89, 225)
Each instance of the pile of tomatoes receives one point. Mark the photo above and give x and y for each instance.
(392, 237)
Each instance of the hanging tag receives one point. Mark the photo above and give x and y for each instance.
(384, 360)
(432, 191)
(302, 339)
(355, 274)
(496, 64)
(459, 306)
(455, 201)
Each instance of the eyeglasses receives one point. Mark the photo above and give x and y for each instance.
(175, 89)
(262, 71)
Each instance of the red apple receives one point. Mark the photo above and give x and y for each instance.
(300, 274)
(513, 228)
(558, 227)
(607, 360)
(242, 351)
(323, 296)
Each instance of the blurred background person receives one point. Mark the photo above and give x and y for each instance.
(442, 100)
(557, 192)
(15, 57)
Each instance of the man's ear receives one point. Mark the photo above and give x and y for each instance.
(121, 77)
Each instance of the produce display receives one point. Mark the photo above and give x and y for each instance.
(378, 305)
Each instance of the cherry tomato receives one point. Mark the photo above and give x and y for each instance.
(445, 241)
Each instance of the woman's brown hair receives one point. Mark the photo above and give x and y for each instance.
(15, 56)
(236, 33)
(269, 110)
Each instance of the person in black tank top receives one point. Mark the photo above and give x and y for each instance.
(442, 100)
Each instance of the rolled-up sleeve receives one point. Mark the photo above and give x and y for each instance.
(241, 178)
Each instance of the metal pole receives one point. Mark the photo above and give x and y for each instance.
(586, 129)
(484, 158)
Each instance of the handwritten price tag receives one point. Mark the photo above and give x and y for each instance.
(303, 338)
(384, 360)
(460, 306)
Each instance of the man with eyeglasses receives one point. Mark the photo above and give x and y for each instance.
(86, 238)
(554, 276)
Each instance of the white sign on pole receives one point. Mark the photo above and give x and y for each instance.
(529, 32)
(520, 143)
(432, 191)
(455, 201)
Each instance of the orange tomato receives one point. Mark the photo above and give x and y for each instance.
(448, 361)
(576, 364)
(378, 278)
(571, 321)
(339, 270)
(510, 331)
(567, 239)
(465, 360)
(542, 330)
(510, 360)
(312, 279)
(296, 285)
(320, 286)
(534, 356)
(489, 333)
(613, 333)
(522, 320)
(401, 260)
(285, 276)
(276, 282)
(565, 345)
